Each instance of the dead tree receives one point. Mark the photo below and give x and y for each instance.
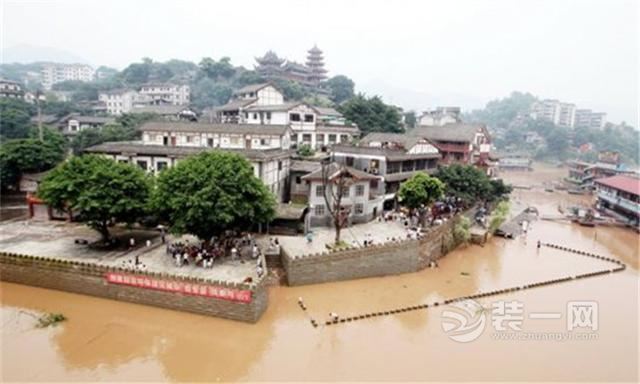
(335, 181)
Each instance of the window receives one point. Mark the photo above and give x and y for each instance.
(349, 161)
(298, 180)
(308, 118)
(189, 139)
(234, 140)
(332, 138)
(374, 184)
(294, 138)
(142, 164)
(319, 210)
(359, 209)
(306, 137)
(268, 115)
(209, 142)
(161, 165)
(279, 165)
(246, 115)
(345, 191)
(344, 138)
(294, 116)
(320, 138)
(255, 116)
(319, 190)
(264, 141)
(359, 190)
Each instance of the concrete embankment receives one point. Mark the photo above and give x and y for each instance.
(235, 301)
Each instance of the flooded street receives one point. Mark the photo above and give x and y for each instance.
(106, 340)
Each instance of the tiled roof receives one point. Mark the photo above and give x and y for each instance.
(304, 166)
(235, 104)
(160, 109)
(274, 107)
(136, 147)
(390, 154)
(257, 129)
(251, 88)
(327, 111)
(449, 132)
(623, 183)
(93, 119)
(333, 170)
(406, 141)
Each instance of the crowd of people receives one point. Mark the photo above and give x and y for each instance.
(205, 253)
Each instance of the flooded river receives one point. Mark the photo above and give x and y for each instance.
(111, 341)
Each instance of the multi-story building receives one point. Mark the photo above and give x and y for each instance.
(163, 144)
(56, 73)
(440, 116)
(583, 174)
(172, 94)
(620, 194)
(74, 123)
(586, 118)
(361, 199)
(263, 104)
(119, 101)
(310, 75)
(393, 156)
(458, 143)
(11, 89)
(557, 112)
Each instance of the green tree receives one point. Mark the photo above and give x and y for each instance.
(371, 114)
(305, 150)
(421, 189)
(410, 119)
(291, 90)
(15, 115)
(212, 192)
(111, 132)
(102, 191)
(221, 69)
(19, 156)
(341, 87)
(498, 216)
(498, 190)
(207, 93)
(466, 182)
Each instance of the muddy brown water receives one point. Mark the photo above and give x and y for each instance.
(106, 340)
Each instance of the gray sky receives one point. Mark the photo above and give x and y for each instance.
(417, 54)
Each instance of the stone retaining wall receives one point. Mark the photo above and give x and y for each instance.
(379, 260)
(91, 279)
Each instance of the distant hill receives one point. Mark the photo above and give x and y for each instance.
(30, 53)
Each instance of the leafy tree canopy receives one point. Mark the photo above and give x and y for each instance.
(212, 192)
(421, 189)
(371, 114)
(19, 156)
(15, 115)
(100, 190)
(465, 181)
(341, 87)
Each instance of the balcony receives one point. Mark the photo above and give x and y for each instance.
(619, 201)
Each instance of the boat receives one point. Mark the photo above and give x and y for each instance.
(576, 192)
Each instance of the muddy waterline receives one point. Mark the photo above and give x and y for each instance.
(112, 341)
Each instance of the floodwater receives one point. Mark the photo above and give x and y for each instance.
(111, 341)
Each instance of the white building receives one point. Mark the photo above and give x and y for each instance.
(119, 101)
(318, 127)
(362, 198)
(165, 143)
(56, 73)
(557, 112)
(11, 89)
(586, 118)
(74, 123)
(172, 94)
(440, 116)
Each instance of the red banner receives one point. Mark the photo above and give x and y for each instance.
(186, 288)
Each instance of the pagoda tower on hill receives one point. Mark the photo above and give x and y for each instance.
(270, 65)
(315, 63)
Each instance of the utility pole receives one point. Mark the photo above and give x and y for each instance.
(40, 135)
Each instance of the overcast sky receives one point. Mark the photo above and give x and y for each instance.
(414, 53)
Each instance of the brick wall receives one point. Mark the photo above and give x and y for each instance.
(379, 260)
(90, 279)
